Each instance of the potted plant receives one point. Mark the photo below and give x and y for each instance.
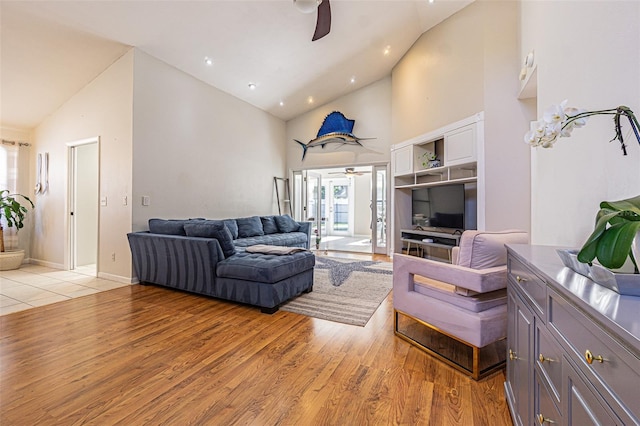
(612, 244)
(430, 160)
(12, 213)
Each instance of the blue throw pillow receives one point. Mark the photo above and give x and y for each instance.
(232, 226)
(286, 223)
(167, 226)
(212, 229)
(269, 225)
(249, 227)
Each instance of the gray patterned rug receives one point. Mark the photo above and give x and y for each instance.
(344, 290)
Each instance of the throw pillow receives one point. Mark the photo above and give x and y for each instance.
(249, 227)
(167, 226)
(212, 229)
(286, 223)
(269, 225)
(232, 226)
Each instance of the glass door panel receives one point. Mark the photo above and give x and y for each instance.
(340, 217)
(379, 210)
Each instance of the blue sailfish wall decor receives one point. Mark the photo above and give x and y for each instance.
(336, 128)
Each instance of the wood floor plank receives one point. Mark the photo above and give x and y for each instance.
(149, 355)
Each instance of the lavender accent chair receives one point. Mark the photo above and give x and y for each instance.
(457, 312)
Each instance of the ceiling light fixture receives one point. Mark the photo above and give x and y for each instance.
(310, 99)
(387, 50)
(431, 1)
(307, 6)
(208, 61)
(252, 86)
(281, 103)
(353, 80)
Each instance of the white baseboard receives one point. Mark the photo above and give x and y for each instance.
(39, 262)
(106, 276)
(118, 278)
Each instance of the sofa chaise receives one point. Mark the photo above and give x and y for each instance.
(211, 257)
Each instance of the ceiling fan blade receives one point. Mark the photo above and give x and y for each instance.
(323, 23)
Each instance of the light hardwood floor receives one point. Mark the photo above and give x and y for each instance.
(147, 355)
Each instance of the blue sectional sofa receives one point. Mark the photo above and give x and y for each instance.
(209, 257)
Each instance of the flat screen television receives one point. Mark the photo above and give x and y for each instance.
(451, 206)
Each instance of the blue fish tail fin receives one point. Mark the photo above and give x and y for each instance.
(304, 148)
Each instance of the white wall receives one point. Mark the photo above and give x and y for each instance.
(103, 108)
(370, 107)
(586, 52)
(440, 79)
(199, 152)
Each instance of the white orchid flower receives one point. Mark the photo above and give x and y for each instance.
(572, 112)
(555, 113)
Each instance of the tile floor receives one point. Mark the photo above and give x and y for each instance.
(34, 285)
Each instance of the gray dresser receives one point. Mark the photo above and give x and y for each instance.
(573, 346)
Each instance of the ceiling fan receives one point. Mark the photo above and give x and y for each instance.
(349, 171)
(323, 21)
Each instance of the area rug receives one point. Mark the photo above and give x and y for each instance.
(344, 290)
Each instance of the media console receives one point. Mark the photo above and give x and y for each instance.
(424, 239)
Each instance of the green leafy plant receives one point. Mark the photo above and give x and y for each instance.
(12, 212)
(617, 223)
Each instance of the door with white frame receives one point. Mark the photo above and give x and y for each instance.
(84, 204)
(315, 206)
(379, 208)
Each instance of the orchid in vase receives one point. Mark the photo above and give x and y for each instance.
(616, 235)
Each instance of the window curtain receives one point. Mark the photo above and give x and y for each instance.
(9, 180)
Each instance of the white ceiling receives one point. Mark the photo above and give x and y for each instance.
(51, 49)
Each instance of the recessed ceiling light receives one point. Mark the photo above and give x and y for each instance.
(281, 103)
(310, 99)
(353, 80)
(387, 50)
(208, 61)
(431, 1)
(252, 86)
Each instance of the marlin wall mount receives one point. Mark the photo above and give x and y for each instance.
(335, 129)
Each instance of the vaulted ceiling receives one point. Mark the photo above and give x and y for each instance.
(51, 49)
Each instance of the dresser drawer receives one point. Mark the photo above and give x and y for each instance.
(616, 370)
(533, 287)
(548, 357)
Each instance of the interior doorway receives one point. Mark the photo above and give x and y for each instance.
(84, 205)
(347, 207)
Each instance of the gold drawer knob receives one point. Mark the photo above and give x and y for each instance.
(520, 279)
(542, 420)
(542, 359)
(512, 355)
(590, 358)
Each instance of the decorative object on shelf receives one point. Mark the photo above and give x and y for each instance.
(430, 160)
(560, 120)
(625, 284)
(612, 244)
(13, 213)
(336, 128)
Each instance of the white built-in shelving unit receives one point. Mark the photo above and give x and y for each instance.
(460, 148)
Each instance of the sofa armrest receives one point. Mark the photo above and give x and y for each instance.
(174, 260)
(477, 280)
(305, 227)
